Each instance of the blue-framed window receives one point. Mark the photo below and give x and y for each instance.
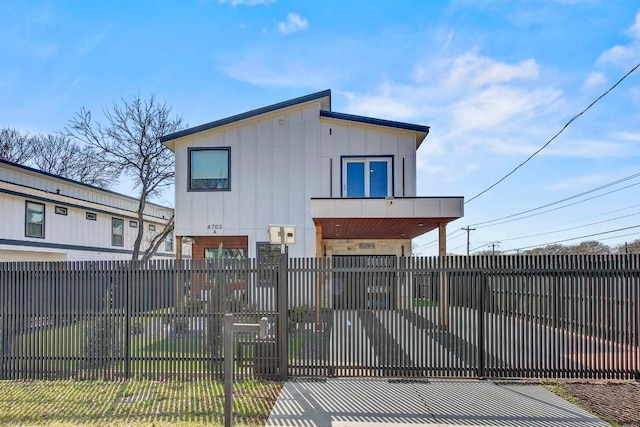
(210, 169)
(367, 176)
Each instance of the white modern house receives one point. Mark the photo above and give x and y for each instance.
(44, 217)
(346, 183)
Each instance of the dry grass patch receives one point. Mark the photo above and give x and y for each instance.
(140, 403)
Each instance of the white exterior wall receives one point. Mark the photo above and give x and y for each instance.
(68, 237)
(279, 161)
(273, 176)
(340, 138)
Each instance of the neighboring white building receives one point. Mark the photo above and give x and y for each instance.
(44, 217)
(347, 183)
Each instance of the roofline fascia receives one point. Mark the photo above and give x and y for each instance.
(374, 121)
(247, 115)
(71, 181)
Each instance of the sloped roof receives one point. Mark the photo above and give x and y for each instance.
(325, 111)
(250, 114)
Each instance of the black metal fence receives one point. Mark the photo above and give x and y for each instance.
(497, 317)
(158, 319)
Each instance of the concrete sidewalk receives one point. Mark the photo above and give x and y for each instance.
(398, 403)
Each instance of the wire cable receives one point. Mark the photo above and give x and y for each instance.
(556, 135)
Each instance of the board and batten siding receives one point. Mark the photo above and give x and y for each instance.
(340, 138)
(273, 176)
(279, 161)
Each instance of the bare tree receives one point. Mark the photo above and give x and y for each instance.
(590, 247)
(129, 142)
(629, 248)
(16, 147)
(58, 155)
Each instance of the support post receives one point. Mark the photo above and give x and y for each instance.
(283, 320)
(179, 291)
(443, 301)
(319, 278)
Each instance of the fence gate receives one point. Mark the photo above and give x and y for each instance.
(495, 317)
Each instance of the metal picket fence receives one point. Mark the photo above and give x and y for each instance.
(487, 317)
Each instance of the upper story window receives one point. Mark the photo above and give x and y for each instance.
(34, 220)
(210, 169)
(117, 232)
(367, 176)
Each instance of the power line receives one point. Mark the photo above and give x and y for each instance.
(574, 221)
(577, 238)
(571, 228)
(564, 206)
(584, 193)
(556, 135)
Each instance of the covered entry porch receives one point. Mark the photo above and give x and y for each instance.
(382, 226)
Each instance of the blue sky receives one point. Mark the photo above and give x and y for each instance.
(495, 80)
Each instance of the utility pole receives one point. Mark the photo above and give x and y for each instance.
(468, 230)
(493, 247)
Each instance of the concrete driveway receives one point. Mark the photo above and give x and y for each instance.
(350, 402)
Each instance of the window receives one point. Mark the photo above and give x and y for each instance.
(133, 224)
(225, 253)
(152, 227)
(367, 177)
(34, 226)
(60, 210)
(117, 232)
(168, 243)
(91, 216)
(209, 169)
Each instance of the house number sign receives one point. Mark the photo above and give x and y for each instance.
(214, 228)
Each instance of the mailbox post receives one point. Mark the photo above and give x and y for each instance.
(230, 327)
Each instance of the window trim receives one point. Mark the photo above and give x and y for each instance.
(344, 160)
(195, 149)
(26, 219)
(114, 235)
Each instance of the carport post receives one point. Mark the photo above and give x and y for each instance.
(443, 300)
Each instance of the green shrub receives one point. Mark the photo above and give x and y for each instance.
(102, 341)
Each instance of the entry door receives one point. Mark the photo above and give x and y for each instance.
(367, 177)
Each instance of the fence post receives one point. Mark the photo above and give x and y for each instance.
(283, 320)
(127, 316)
(481, 291)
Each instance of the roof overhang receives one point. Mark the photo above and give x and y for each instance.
(397, 218)
(324, 97)
(420, 131)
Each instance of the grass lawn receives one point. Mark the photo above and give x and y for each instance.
(140, 403)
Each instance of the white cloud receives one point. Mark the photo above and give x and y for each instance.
(293, 24)
(253, 69)
(235, 3)
(624, 54)
(381, 105)
(594, 80)
(475, 71)
(634, 31)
